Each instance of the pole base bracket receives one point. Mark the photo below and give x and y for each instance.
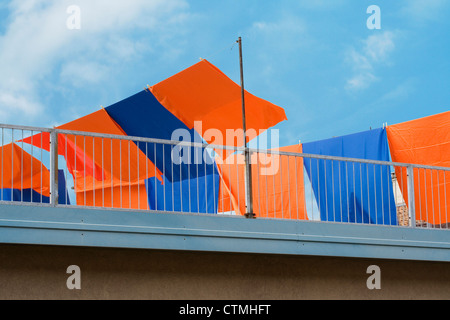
(249, 215)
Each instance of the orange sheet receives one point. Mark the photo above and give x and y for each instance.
(424, 141)
(77, 161)
(19, 170)
(127, 196)
(98, 163)
(204, 93)
(278, 187)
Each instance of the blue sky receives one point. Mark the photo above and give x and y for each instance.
(316, 59)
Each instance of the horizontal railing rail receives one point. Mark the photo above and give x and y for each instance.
(54, 167)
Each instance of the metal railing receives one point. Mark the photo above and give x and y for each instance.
(67, 168)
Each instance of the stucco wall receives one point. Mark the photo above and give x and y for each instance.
(39, 272)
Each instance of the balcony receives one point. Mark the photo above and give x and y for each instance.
(70, 188)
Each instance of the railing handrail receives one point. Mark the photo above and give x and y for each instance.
(411, 176)
(26, 128)
(223, 147)
(251, 150)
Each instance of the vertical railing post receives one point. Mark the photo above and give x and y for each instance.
(53, 168)
(248, 168)
(411, 199)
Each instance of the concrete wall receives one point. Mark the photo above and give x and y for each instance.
(39, 272)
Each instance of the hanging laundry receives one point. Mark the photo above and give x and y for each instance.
(351, 191)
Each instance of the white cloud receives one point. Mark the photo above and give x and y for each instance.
(375, 51)
(378, 47)
(20, 105)
(420, 11)
(279, 42)
(80, 73)
(361, 81)
(287, 23)
(287, 32)
(401, 91)
(37, 44)
(322, 4)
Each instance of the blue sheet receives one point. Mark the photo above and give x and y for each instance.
(197, 195)
(350, 191)
(142, 115)
(30, 195)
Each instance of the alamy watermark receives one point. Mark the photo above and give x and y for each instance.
(374, 21)
(73, 21)
(74, 281)
(268, 163)
(374, 281)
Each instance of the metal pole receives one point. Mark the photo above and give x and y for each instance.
(248, 169)
(53, 168)
(411, 200)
